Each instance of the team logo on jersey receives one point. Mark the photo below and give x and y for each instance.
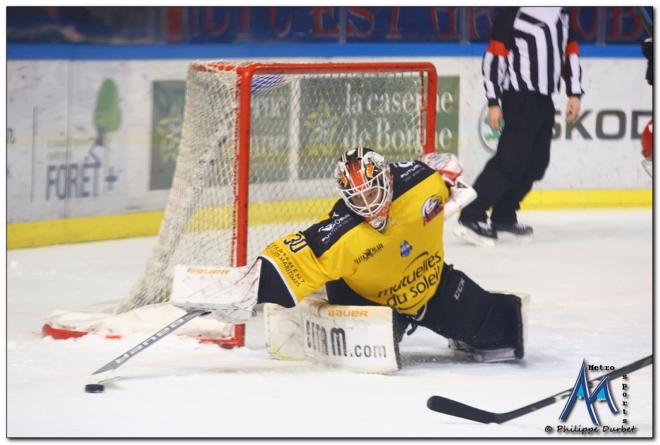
(406, 248)
(368, 253)
(431, 208)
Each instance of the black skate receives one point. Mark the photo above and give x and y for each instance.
(515, 232)
(476, 232)
(515, 228)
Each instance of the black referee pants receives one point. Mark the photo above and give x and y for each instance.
(523, 155)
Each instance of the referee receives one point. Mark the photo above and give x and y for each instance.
(529, 50)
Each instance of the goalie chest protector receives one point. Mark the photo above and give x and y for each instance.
(399, 268)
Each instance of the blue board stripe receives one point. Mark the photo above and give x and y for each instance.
(254, 51)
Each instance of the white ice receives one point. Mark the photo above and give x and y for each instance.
(589, 274)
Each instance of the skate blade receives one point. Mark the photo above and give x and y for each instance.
(472, 238)
(510, 238)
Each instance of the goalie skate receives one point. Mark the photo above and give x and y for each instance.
(483, 355)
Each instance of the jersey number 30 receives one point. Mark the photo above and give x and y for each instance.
(297, 243)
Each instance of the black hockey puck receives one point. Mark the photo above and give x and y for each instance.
(94, 388)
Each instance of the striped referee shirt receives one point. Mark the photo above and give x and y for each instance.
(529, 50)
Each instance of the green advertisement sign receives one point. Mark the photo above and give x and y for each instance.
(167, 120)
(446, 127)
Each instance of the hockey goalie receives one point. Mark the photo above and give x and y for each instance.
(379, 253)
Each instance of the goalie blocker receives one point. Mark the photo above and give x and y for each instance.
(229, 293)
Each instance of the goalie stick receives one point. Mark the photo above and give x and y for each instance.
(104, 374)
(457, 409)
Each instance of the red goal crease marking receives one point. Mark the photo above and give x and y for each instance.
(236, 341)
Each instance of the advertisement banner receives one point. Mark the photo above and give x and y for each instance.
(600, 150)
(91, 138)
(169, 99)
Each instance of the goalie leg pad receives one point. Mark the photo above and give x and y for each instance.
(496, 355)
(284, 332)
(340, 293)
(475, 319)
(355, 338)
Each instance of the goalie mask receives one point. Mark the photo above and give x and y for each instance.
(365, 184)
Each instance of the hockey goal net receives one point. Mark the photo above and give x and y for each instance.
(258, 149)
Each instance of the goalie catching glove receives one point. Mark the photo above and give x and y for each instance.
(229, 293)
(446, 164)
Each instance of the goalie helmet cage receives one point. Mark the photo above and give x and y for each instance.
(258, 148)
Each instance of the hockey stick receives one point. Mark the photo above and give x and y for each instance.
(105, 373)
(645, 19)
(457, 409)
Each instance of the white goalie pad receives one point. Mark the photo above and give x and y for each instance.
(460, 196)
(284, 332)
(355, 338)
(229, 293)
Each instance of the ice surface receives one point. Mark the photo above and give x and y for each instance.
(589, 274)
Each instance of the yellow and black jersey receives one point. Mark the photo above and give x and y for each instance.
(399, 267)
